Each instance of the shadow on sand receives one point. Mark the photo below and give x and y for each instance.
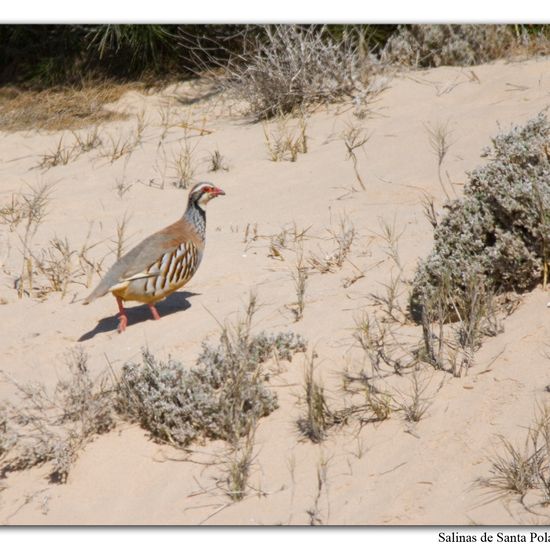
(138, 314)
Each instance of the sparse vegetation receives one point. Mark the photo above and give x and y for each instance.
(184, 167)
(53, 427)
(299, 276)
(238, 465)
(518, 469)
(287, 140)
(439, 139)
(88, 141)
(54, 267)
(342, 236)
(217, 162)
(31, 212)
(119, 146)
(222, 397)
(314, 513)
(59, 156)
(414, 405)
(53, 109)
(317, 416)
(354, 138)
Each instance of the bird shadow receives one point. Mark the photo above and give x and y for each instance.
(138, 314)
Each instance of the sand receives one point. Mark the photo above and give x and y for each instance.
(386, 473)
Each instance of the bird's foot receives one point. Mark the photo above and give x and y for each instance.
(154, 312)
(122, 323)
(122, 317)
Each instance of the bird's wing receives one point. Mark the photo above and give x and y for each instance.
(137, 263)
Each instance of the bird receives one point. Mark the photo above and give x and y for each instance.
(163, 262)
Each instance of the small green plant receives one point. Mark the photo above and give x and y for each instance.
(317, 417)
(217, 162)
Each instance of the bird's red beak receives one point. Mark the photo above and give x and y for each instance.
(217, 191)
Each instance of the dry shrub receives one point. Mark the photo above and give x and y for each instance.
(285, 67)
(58, 109)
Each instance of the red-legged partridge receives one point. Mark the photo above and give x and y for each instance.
(163, 262)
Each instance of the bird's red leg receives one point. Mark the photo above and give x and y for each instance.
(122, 317)
(154, 312)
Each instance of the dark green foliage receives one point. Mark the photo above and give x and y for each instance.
(41, 56)
(498, 232)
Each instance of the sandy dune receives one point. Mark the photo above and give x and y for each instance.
(386, 473)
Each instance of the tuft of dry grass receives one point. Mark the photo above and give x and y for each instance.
(59, 109)
(414, 405)
(285, 141)
(518, 469)
(342, 236)
(87, 141)
(238, 465)
(217, 162)
(61, 155)
(299, 276)
(439, 138)
(183, 165)
(32, 210)
(314, 512)
(355, 138)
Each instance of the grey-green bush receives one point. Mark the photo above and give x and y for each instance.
(220, 398)
(435, 45)
(498, 232)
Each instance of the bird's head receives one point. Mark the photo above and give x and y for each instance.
(203, 192)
